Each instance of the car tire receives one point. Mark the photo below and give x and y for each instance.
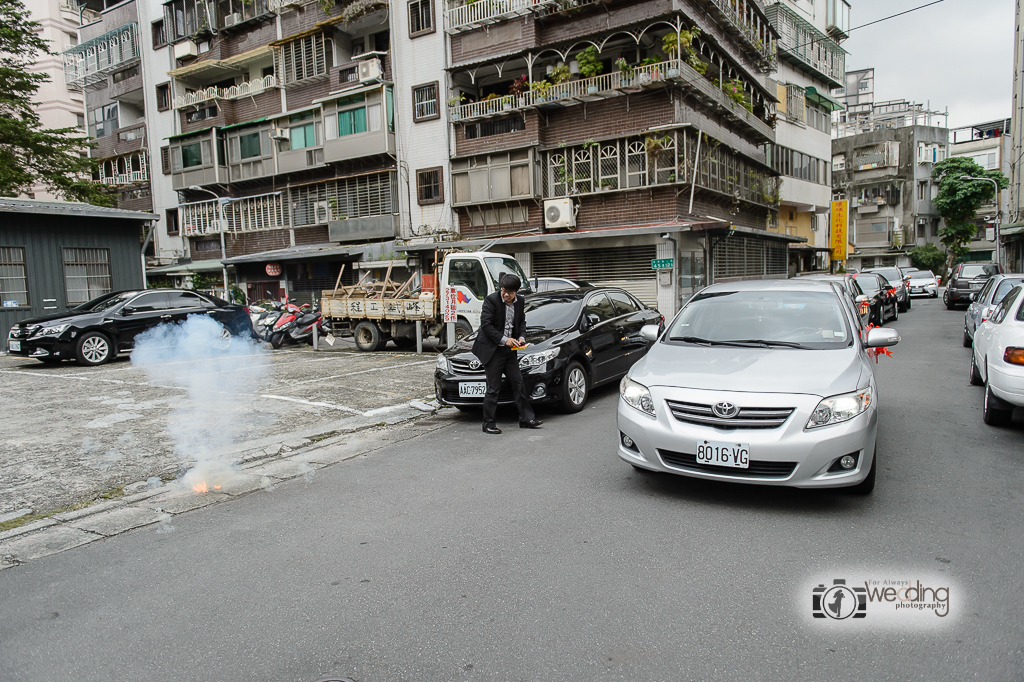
(950, 305)
(975, 379)
(93, 348)
(368, 337)
(910, 303)
(462, 330)
(576, 388)
(968, 342)
(866, 486)
(994, 415)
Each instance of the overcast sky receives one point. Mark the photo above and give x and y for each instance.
(956, 54)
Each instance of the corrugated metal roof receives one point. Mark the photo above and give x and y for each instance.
(69, 208)
(299, 253)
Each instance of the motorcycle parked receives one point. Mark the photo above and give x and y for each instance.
(296, 327)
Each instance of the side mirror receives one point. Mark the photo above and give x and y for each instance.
(973, 297)
(127, 310)
(589, 320)
(649, 332)
(863, 298)
(882, 336)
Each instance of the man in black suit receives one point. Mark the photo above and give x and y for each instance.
(502, 328)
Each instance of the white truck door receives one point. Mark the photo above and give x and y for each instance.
(464, 284)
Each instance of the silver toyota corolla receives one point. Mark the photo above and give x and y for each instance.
(766, 382)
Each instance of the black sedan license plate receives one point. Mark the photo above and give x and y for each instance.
(720, 453)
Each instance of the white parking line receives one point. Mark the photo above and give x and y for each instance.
(364, 371)
(312, 402)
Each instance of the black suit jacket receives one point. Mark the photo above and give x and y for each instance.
(492, 325)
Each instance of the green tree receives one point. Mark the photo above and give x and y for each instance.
(29, 153)
(958, 201)
(927, 257)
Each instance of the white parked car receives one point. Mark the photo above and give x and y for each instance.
(997, 360)
(923, 283)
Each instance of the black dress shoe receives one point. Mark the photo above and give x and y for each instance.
(532, 424)
(491, 428)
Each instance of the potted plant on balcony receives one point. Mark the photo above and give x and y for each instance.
(518, 89)
(492, 103)
(541, 88)
(734, 88)
(590, 66)
(561, 74)
(652, 74)
(625, 71)
(453, 105)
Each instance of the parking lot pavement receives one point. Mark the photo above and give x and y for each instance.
(74, 433)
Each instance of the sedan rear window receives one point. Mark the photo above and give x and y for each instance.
(922, 274)
(978, 270)
(803, 319)
(1004, 288)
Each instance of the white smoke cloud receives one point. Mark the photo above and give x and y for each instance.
(220, 377)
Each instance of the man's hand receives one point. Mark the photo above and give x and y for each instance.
(511, 343)
(521, 341)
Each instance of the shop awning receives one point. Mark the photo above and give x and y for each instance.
(823, 99)
(226, 64)
(299, 253)
(244, 123)
(180, 269)
(1012, 228)
(190, 134)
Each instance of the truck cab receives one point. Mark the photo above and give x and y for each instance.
(467, 278)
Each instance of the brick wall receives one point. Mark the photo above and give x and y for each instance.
(607, 118)
(248, 108)
(256, 242)
(508, 37)
(567, 27)
(311, 235)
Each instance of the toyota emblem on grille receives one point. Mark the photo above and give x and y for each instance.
(725, 410)
(474, 364)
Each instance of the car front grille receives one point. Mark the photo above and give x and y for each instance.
(748, 418)
(756, 469)
(460, 365)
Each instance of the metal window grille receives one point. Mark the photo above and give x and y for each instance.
(89, 62)
(255, 213)
(86, 274)
(425, 101)
(357, 197)
(13, 280)
(198, 218)
(429, 185)
(420, 16)
(749, 258)
(301, 59)
(796, 102)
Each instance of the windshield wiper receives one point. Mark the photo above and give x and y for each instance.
(769, 342)
(708, 342)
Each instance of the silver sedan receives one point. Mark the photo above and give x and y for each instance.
(767, 382)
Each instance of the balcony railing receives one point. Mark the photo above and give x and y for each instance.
(253, 87)
(88, 63)
(244, 214)
(125, 178)
(465, 16)
(746, 22)
(805, 46)
(585, 89)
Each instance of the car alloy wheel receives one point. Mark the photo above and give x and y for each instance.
(575, 391)
(93, 349)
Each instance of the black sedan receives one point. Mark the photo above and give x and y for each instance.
(579, 339)
(96, 331)
(882, 297)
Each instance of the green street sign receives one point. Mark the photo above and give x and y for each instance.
(662, 263)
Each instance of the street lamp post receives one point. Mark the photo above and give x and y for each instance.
(223, 250)
(995, 186)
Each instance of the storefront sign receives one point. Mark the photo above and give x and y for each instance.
(450, 301)
(662, 263)
(274, 269)
(838, 229)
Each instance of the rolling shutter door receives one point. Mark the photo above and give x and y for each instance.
(628, 268)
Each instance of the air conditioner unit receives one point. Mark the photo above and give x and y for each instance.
(559, 213)
(185, 49)
(369, 70)
(279, 134)
(323, 211)
(232, 19)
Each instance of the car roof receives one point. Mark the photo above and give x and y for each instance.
(798, 284)
(577, 293)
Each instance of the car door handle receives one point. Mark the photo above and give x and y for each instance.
(165, 317)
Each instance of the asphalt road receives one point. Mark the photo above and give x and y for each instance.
(538, 555)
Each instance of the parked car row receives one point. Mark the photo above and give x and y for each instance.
(997, 353)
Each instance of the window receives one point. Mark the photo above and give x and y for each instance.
(352, 117)
(104, 120)
(495, 177)
(191, 155)
(922, 190)
(249, 145)
(86, 274)
(623, 303)
(159, 37)
(184, 299)
(125, 74)
(165, 160)
(795, 103)
(201, 114)
(304, 134)
(163, 97)
(498, 126)
(185, 18)
(148, 302)
(173, 227)
(421, 17)
(425, 102)
(206, 245)
(13, 281)
(80, 121)
(304, 58)
(602, 307)
(470, 274)
(429, 188)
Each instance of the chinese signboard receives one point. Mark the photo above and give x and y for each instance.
(837, 236)
(662, 264)
(450, 301)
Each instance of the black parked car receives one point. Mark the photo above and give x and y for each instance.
(579, 339)
(898, 280)
(848, 285)
(966, 279)
(96, 331)
(882, 300)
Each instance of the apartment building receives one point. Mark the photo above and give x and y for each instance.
(988, 145)
(592, 138)
(58, 105)
(811, 66)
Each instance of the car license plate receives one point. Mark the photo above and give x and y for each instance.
(720, 453)
(472, 389)
(976, 285)
(15, 346)
(915, 290)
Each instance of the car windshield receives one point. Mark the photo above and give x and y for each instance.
(1003, 289)
(497, 267)
(551, 312)
(802, 319)
(979, 270)
(105, 302)
(922, 274)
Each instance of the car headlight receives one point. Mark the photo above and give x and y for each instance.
(636, 395)
(537, 359)
(52, 331)
(840, 408)
(442, 364)
(13, 333)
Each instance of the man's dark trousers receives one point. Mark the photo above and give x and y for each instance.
(505, 361)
